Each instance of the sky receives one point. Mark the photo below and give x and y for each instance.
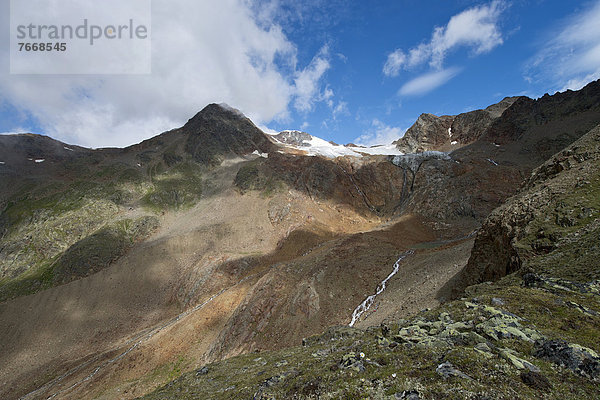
(342, 70)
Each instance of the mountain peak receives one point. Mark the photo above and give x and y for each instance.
(214, 110)
(218, 130)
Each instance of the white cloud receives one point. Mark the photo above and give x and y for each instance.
(571, 57)
(212, 52)
(307, 82)
(394, 63)
(578, 82)
(379, 134)
(267, 130)
(340, 109)
(427, 82)
(475, 28)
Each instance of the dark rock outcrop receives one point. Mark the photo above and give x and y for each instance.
(294, 138)
(367, 186)
(578, 359)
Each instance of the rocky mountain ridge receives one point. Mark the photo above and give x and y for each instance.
(446, 133)
(214, 240)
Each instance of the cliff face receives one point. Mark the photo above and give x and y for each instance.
(526, 114)
(429, 132)
(557, 207)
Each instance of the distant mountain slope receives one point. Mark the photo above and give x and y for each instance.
(304, 143)
(447, 132)
(58, 199)
(218, 131)
(486, 172)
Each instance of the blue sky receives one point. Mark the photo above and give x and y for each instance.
(345, 71)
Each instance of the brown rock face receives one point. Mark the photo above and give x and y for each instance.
(526, 114)
(507, 141)
(430, 132)
(368, 186)
(468, 127)
(447, 132)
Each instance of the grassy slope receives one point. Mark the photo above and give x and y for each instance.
(63, 230)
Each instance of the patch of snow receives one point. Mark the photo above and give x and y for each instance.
(139, 165)
(387, 150)
(453, 142)
(318, 147)
(66, 148)
(365, 305)
(2, 163)
(496, 144)
(450, 132)
(258, 153)
(493, 162)
(40, 160)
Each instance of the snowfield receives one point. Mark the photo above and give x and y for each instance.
(318, 147)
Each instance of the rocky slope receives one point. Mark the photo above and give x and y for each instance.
(531, 335)
(229, 238)
(213, 240)
(551, 226)
(533, 131)
(219, 131)
(60, 199)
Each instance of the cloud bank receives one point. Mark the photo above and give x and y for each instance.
(212, 52)
(428, 82)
